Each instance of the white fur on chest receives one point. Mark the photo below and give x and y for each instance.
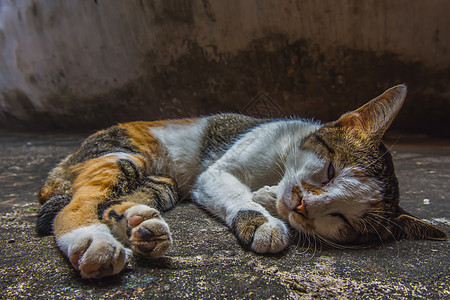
(258, 157)
(255, 160)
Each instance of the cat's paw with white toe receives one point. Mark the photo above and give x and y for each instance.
(271, 237)
(149, 234)
(94, 251)
(260, 233)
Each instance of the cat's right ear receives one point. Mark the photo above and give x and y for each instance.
(410, 227)
(373, 119)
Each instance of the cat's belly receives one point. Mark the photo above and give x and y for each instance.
(179, 156)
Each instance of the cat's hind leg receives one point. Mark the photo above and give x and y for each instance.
(139, 227)
(94, 251)
(134, 220)
(79, 233)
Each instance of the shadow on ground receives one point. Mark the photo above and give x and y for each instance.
(205, 260)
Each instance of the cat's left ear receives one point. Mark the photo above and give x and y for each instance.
(373, 119)
(413, 228)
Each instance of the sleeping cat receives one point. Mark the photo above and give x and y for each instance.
(333, 182)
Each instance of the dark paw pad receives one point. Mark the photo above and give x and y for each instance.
(151, 238)
(144, 234)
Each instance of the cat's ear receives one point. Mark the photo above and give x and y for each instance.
(413, 228)
(373, 119)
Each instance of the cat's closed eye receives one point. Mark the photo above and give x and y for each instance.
(330, 173)
(341, 216)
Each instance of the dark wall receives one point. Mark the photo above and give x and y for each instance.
(81, 65)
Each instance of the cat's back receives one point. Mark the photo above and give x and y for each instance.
(187, 146)
(208, 138)
(203, 136)
(222, 130)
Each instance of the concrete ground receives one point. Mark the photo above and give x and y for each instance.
(205, 260)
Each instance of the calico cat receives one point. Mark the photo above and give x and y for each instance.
(333, 182)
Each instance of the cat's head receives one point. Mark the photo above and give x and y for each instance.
(340, 184)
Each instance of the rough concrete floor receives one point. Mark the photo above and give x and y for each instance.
(206, 261)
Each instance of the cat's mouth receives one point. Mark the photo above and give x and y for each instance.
(294, 211)
(301, 222)
(305, 223)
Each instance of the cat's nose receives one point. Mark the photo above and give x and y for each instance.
(301, 209)
(297, 197)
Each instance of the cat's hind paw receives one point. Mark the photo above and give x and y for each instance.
(94, 251)
(149, 234)
(260, 233)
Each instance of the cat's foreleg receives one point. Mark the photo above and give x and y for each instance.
(224, 195)
(267, 197)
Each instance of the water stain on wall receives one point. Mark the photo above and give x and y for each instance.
(303, 79)
(85, 65)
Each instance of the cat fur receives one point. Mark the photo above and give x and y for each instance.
(263, 178)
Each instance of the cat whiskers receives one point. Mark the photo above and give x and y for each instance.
(374, 213)
(305, 241)
(315, 242)
(327, 242)
(375, 229)
(382, 225)
(282, 164)
(279, 170)
(386, 152)
(313, 247)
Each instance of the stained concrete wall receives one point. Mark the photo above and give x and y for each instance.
(74, 65)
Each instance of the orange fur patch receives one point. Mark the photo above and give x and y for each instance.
(312, 189)
(48, 190)
(94, 181)
(140, 135)
(142, 138)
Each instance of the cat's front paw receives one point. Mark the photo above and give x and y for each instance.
(94, 251)
(260, 233)
(264, 194)
(149, 234)
(267, 197)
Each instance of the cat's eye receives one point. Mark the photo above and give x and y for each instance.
(330, 172)
(341, 216)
